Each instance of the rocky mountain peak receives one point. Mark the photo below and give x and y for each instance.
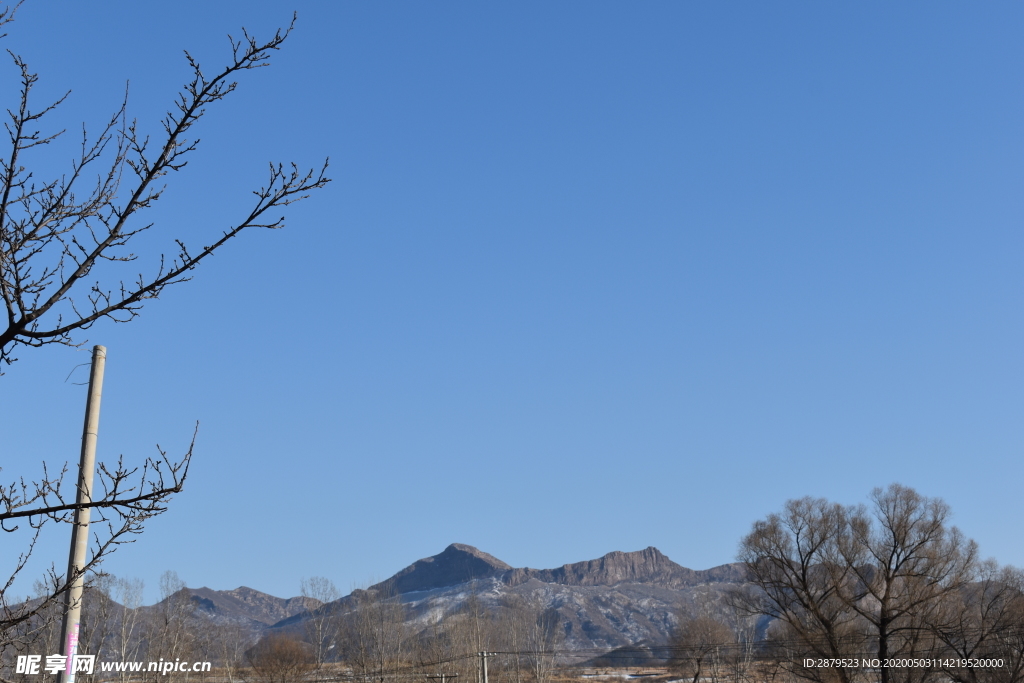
(457, 549)
(456, 564)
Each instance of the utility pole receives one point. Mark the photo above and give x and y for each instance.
(444, 678)
(483, 665)
(80, 528)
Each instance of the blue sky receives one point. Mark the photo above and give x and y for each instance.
(590, 277)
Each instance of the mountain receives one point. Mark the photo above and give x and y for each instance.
(457, 564)
(618, 600)
(243, 606)
(246, 603)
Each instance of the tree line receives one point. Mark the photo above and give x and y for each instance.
(370, 637)
(889, 592)
(116, 627)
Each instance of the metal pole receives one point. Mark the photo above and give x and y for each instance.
(483, 656)
(80, 528)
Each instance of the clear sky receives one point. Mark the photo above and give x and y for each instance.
(591, 276)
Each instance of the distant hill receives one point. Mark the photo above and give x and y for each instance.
(244, 607)
(245, 604)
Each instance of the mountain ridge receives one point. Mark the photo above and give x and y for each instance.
(616, 600)
(244, 603)
(640, 566)
(459, 563)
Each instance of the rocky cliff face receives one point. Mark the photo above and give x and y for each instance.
(643, 566)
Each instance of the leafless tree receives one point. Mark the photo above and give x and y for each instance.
(984, 620)
(170, 631)
(98, 612)
(903, 559)
(713, 641)
(231, 643)
(524, 631)
(699, 646)
(65, 264)
(372, 635)
(744, 655)
(440, 647)
(279, 659)
(125, 645)
(471, 623)
(845, 582)
(514, 624)
(319, 592)
(787, 557)
(543, 636)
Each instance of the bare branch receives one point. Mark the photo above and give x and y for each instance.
(131, 496)
(53, 234)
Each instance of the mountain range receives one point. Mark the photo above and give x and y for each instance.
(619, 599)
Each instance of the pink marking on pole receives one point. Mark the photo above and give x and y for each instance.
(70, 650)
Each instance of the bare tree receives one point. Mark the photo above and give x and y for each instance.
(844, 582)
(524, 633)
(97, 615)
(712, 641)
(279, 659)
(232, 642)
(372, 635)
(904, 560)
(439, 647)
(744, 655)
(65, 264)
(984, 620)
(699, 645)
(787, 557)
(125, 646)
(543, 636)
(513, 624)
(170, 632)
(319, 592)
